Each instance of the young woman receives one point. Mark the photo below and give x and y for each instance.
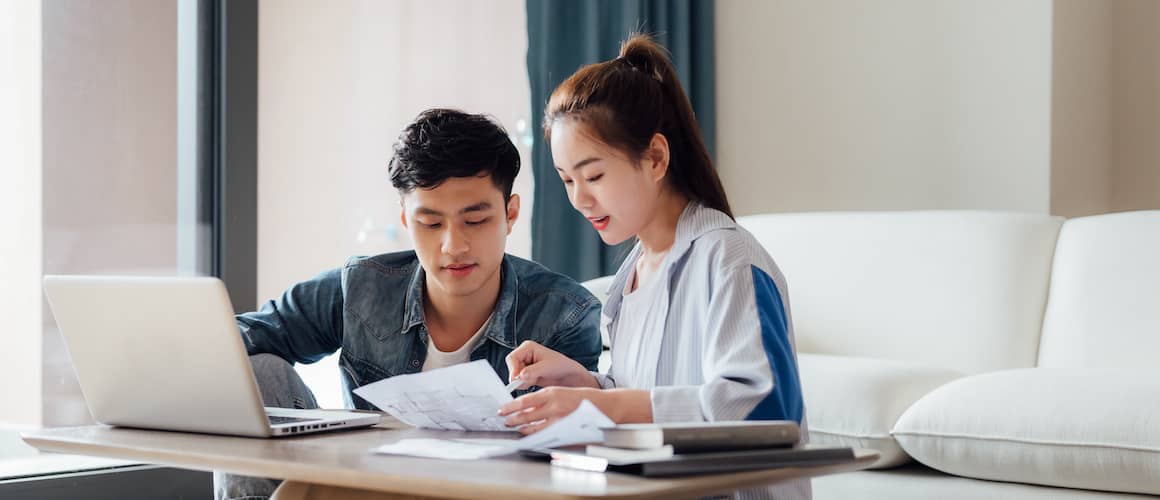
(698, 313)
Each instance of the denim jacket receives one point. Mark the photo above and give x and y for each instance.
(372, 308)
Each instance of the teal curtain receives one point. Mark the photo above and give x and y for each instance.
(564, 35)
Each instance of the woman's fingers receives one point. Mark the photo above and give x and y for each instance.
(531, 415)
(535, 427)
(527, 401)
(520, 358)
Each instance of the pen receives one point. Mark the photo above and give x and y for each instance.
(513, 385)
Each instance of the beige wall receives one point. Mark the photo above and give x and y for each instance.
(20, 302)
(1082, 144)
(1136, 107)
(1106, 107)
(893, 104)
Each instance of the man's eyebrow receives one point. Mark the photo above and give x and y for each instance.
(581, 164)
(478, 207)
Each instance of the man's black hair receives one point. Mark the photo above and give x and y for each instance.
(443, 143)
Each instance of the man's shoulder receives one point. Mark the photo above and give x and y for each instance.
(534, 278)
(538, 283)
(388, 264)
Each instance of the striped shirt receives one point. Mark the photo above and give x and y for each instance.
(710, 333)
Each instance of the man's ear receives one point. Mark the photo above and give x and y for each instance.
(657, 157)
(403, 214)
(513, 211)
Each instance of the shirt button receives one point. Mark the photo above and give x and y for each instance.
(414, 363)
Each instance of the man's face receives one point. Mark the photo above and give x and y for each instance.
(460, 230)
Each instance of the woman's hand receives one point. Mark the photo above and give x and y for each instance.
(542, 408)
(535, 364)
(537, 410)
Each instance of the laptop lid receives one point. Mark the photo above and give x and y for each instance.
(158, 353)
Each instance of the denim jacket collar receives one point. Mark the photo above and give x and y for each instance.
(505, 306)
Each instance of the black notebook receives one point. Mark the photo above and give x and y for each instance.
(687, 464)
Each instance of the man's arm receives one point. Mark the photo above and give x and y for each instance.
(304, 325)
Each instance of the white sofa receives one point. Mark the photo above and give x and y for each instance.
(985, 354)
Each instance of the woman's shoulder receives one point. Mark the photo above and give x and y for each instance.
(730, 243)
(731, 249)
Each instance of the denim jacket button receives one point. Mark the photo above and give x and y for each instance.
(414, 363)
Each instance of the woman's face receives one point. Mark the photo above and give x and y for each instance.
(617, 195)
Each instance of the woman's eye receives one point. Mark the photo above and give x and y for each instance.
(568, 181)
(595, 178)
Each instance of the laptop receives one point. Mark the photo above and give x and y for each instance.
(165, 353)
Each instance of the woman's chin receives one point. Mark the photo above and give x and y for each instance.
(612, 239)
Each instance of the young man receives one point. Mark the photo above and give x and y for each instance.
(456, 298)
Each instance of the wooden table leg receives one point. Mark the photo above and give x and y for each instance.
(294, 490)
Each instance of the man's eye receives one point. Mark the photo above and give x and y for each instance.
(431, 226)
(595, 178)
(478, 222)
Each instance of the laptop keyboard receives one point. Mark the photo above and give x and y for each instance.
(289, 420)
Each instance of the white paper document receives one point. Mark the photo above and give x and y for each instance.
(463, 397)
(581, 426)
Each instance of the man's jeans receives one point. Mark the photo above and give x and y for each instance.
(280, 387)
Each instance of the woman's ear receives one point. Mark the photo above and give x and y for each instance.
(657, 157)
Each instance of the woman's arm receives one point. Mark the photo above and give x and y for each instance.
(749, 367)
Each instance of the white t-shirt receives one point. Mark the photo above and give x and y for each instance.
(439, 359)
(637, 345)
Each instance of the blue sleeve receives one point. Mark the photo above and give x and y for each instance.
(785, 401)
(304, 325)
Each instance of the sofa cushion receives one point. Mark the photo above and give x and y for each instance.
(1103, 310)
(1093, 429)
(855, 402)
(960, 289)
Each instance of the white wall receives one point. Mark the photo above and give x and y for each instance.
(892, 104)
(338, 81)
(20, 182)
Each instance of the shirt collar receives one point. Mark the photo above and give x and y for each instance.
(503, 314)
(695, 220)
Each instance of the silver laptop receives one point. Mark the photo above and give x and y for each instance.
(165, 353)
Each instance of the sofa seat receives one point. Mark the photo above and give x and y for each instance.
(917, 482)
(855, 401)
